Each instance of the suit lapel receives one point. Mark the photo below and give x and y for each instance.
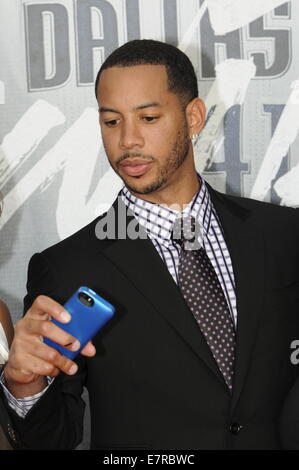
(246, 247)
(140, 262)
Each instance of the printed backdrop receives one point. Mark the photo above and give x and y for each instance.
(54, 175)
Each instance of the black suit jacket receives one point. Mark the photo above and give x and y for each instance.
(153, 383)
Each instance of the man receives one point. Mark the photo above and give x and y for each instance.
(197, 354)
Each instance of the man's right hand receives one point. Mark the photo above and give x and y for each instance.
(30, 359)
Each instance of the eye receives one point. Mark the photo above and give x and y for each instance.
(150, 118)
(112, 122)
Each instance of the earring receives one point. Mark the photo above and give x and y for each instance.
(194, 138)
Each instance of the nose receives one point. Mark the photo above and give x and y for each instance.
(131, 136)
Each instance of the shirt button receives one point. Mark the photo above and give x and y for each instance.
(11, 432)
(235, 428)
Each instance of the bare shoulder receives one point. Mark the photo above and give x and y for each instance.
(6, 322)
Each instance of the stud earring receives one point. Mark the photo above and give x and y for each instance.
(194, 138)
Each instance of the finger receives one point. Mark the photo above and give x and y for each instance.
(52, 366)
(49, 330)
(88, 350)
(53, 358)
(38, 354)
(38, 348)
(44, 307)
(35, 366)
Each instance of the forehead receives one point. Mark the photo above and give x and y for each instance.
(132, 84)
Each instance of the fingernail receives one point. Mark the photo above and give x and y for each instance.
(65, 316)
(73, 369)
(76, 345)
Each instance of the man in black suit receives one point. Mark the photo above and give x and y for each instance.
(197, 355)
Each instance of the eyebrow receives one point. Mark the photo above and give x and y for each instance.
(148, 105)
(103, 109)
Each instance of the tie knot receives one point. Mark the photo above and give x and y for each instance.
(186, 233)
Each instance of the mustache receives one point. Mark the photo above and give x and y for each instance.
(126, 156)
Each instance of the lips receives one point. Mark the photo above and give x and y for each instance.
(135, 167)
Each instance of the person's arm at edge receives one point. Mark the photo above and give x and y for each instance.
(5, 320)
(60, 407)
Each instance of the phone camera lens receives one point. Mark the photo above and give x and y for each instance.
(85, 299)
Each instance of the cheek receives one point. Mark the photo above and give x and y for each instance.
(110, 152)
(163, 135)
(110, 145)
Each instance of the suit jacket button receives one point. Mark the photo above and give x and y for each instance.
(235, 428)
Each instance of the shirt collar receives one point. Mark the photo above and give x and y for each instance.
(158, 219)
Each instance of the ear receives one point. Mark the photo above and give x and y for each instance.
(195, 115)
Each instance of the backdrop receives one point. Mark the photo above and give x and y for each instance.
(54, 175)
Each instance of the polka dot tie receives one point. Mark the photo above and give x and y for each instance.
(203, 294)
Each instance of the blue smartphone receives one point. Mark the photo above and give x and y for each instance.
(89, 312)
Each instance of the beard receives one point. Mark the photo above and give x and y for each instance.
(174, 160)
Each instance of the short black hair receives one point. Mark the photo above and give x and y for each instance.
(181, 76)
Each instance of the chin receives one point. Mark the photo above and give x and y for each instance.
(143, 187)
(138, 184)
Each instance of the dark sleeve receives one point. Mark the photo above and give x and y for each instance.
(56, 420)
(289, 419)
(43, 279)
